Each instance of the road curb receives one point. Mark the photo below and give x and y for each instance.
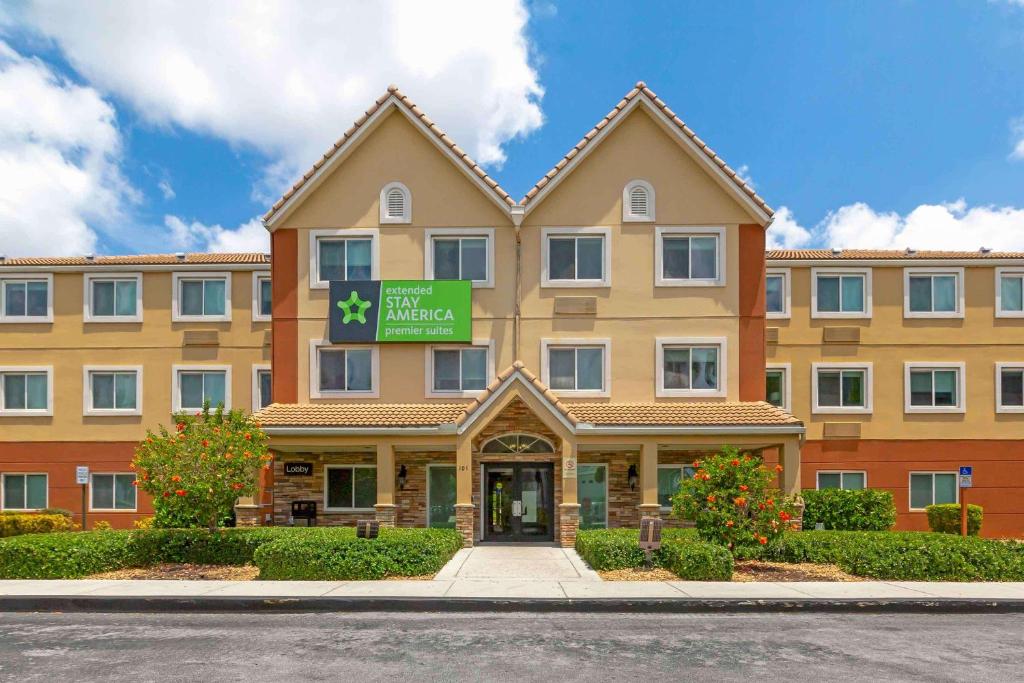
(85, 603)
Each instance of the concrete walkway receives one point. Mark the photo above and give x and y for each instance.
(518, 562)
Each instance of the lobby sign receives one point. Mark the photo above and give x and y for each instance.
(298, 469)
(386, 311)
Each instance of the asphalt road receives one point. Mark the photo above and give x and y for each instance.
(512, 647)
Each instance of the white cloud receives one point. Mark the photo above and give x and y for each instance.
(166, 189)
(59, 155)
(1017, 130)
(196, 236)
(785, 232)
(744, 174)
(289, 78)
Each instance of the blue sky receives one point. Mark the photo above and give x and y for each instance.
(868, 124)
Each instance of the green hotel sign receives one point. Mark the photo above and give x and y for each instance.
(382, 311)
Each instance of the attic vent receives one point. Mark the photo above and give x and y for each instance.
(638, 201)
(395, 204)
(836, 251)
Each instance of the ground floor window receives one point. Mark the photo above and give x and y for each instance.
(350, 487)
(592, 492)
(441, 496)
(113, 491)
(24, 491)
(849, 481)
(932, 488)
(669, 479)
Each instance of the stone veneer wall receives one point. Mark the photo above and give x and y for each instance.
(411, 502)
(289, 488)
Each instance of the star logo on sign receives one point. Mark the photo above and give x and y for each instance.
(354, 309)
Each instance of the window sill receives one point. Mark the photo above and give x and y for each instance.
(108, 319)
(776, 316)
(1010, 314)
(583, 393)
(343, 394)
(27, 319)
(831, 315)
(1010, 409)
(669, 282)
(26, 413)
(105, 510)
(933, 410)
(575, 284)
(201, 319)
(111, 413)
(910, 315)
(690, 393)
(833, 410)
(455, 394)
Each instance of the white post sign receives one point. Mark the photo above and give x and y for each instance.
(82, 474)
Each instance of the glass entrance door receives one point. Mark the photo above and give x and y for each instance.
(520, 502)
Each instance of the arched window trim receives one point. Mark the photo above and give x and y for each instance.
(627, 215)
(519, 435)
(406, 216)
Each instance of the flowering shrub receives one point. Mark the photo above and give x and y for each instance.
(731, 501)
(197, 471)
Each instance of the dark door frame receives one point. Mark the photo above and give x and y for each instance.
(516, 535)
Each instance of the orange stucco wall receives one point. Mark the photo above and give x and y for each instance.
(751, 312)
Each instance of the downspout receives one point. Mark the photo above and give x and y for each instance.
(517, 217)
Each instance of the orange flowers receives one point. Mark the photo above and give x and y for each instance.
(763, 540)
(176, 478)
(778, 468)
(696, 463)
(205, 443)
(735, 462)
(180, 426)
(181, 492)
(237, 486)
(248, 436)
(740, 502)
(744, 487)
(729, 523)
(785, 516)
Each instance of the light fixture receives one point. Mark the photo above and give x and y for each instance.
(403, 474)
(633, 477)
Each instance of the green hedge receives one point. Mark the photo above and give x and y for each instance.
(18, 523)
(681, 552)
(906, 556)
(841, 510)
(945, 518)
(336, 554)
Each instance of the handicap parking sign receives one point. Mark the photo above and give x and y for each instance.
(966, 471)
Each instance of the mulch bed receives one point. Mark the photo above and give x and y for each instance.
(186, 572)
(749, 570)
(656, 574)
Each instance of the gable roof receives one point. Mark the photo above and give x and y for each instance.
(190, 259)
(641, 94)
(392, 98)
(885, 254)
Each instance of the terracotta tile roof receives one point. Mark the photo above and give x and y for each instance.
(530, 378)
(418, 113)
(138, 260)
(641, 89)
(867, 254)
(359, 414)
(731, 413)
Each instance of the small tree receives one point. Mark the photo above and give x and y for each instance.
(731, 501)
(196, 472)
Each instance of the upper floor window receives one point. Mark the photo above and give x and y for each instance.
(395, 204)
(26, 391)
(638, 202)
(1010, 387)
(776, 385)
(1009, 293)
(261, 387)
(933, 293)
(194, 385)
(262, 304)
(24, 492)
(26, 298)
(342, 255)
(460, 254)
(690, 366)
(776, 293)
(112, 491)
(342, 370)
(841, 293)
(461, 370)
(113, 390)
(841, 387)
(576, 366)
(689, 256)
(576, 257)
(848, 481)
(113, 299)
(205, 296)
(934, 387)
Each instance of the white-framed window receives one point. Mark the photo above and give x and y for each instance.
(462, 370)
(689, 257)
(112, 390)
(26, 390)
(577, 367)
(841, 388)
(26, 298)
(262, 298)
(592, 493)
(777, 386)
(691, 366)
(191, 385)
(933, 488)
(460, 254)
(840, 292)
(934, 387)
(395, 204)
(1010, 292)
(1010, 387)
(24, 491)
(350, 487)
(262, 395)
(855, 480)
(114, 491)
(670, 477)
(933, 292)
(576, 257)
(777, 296)
(346, 254)
(337, 371)
(201, 296)
(638, 202)
(113, 297)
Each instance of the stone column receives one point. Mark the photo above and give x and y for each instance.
(569, 509)
(464, 508)
(649, 506)
(789, 479)
(387, 512)
(247, 512)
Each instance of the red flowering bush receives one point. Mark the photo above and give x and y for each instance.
(196, 471)
(731, 500)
